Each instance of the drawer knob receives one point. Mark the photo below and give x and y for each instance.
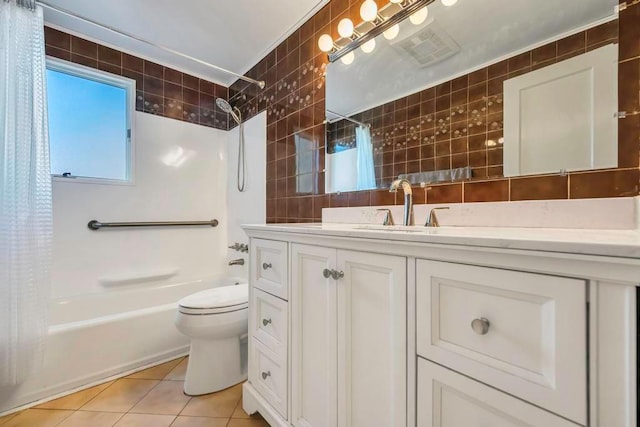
(266, 374)
(266, 266)
(338, 275)
(265, 322)
(480, 326)
(327, 273)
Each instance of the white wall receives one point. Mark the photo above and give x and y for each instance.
(180, 175)
(250, 206)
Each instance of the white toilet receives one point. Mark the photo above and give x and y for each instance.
(216, 320)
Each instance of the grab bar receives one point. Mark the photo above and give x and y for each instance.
(97, 225)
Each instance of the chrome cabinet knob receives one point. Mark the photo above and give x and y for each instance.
(265, 322)
(327, 273)
(338, 275)
(266, 266)
(480, 326)
(266, 374)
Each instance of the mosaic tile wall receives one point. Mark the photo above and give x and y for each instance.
(294, 102)
(159, 90)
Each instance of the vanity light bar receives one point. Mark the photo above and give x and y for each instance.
(378, 29)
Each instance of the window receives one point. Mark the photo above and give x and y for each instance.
(89, 123)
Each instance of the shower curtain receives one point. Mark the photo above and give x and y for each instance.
(366, 179)
(25, 192)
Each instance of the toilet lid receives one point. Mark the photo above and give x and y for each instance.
(217, 300)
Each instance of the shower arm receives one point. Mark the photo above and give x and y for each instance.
(259, 83)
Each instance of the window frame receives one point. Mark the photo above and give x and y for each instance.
(129, 85)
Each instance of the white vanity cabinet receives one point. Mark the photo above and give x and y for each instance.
(356, 328)
(348, 338)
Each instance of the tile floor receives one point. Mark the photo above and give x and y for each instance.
(149, 398)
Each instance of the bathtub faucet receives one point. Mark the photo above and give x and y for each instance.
(239, 261)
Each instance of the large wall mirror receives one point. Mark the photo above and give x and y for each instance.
(478, 89)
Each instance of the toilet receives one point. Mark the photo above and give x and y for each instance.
(216, 320)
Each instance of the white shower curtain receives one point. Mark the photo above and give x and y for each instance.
(25, 192)
(366, 179)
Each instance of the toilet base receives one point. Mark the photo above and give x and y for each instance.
(214, 365)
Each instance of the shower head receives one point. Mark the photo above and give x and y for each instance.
(226, 107)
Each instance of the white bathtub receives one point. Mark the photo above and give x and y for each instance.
(95, 337)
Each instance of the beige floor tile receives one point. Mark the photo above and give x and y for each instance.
(220, 404)
(121, 396)
(237, 422)
(91, 419)
(167, 398)
(239, 412)
(38, 418)
(183, 421)
(156, 372)
(145, 420)
(179, 371)
(7, 418)
(75, 400)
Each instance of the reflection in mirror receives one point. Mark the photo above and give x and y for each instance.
(432, 97)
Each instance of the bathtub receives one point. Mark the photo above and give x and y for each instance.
(95, 337)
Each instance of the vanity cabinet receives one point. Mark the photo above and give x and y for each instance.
(356, 328)
(348, 338)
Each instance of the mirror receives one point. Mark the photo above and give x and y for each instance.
(431, 104)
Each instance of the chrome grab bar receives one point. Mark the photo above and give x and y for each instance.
(97, 225)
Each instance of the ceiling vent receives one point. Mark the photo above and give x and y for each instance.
(427, 45)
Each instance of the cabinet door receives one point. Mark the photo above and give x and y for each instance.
(313, 337)
(372, 340)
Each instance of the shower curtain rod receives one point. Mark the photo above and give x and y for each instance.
(260, 83)
(349, 119)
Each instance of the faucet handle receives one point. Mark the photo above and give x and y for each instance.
(388, 219)
(432, 220)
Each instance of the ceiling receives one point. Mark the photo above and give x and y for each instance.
(233, 35)
(486, 31)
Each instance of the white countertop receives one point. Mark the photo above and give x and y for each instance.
(613, 243)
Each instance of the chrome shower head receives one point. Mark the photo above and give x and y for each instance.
(226, 107)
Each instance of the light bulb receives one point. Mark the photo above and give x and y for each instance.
(348, 58)
(369, 46)
(325, 43)
(369, 10)
(392, 32)
(420, 16)
(449, 2)
(345, 28)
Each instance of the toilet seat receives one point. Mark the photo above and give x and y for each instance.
(223, 299)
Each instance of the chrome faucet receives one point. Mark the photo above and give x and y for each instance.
(239, 261)
(408, 198)
(388, 219)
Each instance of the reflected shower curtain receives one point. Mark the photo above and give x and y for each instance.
(25, 192)
(366, 172)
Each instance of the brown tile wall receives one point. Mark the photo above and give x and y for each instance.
(159, 90)
(294, 101)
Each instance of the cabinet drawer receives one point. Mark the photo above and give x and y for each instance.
(268, 374)
(447, 399)
(529, 337)
(269, 321)
(269, 267)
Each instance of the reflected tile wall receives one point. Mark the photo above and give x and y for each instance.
(160, 90)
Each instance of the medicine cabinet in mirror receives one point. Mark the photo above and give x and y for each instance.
(477, 90)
